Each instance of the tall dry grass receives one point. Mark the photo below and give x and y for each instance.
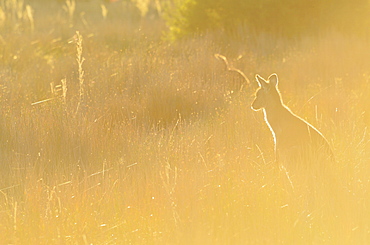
(167, 149)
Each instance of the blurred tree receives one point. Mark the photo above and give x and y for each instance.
(284, 17)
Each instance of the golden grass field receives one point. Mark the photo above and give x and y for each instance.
(110, 135)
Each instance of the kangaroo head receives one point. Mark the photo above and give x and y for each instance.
(267, 94)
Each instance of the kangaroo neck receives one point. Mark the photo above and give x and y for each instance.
(275, 113)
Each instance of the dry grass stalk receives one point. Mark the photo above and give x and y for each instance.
(64, 90)
(81, 72)
(70, 8)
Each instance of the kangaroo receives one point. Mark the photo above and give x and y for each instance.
(295, 139)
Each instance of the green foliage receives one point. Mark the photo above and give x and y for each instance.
(283, 17)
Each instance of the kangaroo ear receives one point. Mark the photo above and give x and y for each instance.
(261, 82)
(273, 79)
